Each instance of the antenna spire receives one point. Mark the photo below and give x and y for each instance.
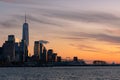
(25, 18)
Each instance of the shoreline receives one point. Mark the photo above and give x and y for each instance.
(60, 66)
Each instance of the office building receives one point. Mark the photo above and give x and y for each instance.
(37, 50)
(25, 36)
(59, 59)
(44, 55)
(1, 53)
(23, 51)
(17, 52)
(9, 48)
(1, 50)
(49, 55)
(54, 57)
(41, 51)
(75, 59)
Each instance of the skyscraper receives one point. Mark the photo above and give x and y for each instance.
(37, 48)
(44, 55)
(25, 35)
(41, 51)
(9, 48)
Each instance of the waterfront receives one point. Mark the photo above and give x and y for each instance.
(60, 73)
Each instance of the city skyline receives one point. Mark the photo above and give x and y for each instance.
(89, 30)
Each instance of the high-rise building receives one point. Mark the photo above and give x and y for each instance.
(49, 55)
(23, 51)
(1, 54)
(11, 38)
(54, 57)
(75, 59)
(59, 59)
(41, 51)
(44, 55)
(9, 48)
(1, 50)
(37, 49)
(17, 52)
(25, 36)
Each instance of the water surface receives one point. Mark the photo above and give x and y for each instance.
(60, 73)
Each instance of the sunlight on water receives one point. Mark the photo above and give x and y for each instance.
(61, 73)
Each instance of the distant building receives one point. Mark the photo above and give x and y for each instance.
(9, 48)
(75, 59)
(54, 57)
(41, 51)
(23, 51)
(17, 52)
(49, 55)
(25, 36)
(1, 50)
(37, 49)
(81, 61)
(44, 55)
(98, 62)
(11, 38)
(59, 59)
(1, 54)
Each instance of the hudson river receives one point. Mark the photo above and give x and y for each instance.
(60, 73)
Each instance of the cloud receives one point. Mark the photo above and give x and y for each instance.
(17, 1)
(8, 23)
(40, 19)
(7, 1)
(74, 38)
(115, 31)
(85, 16)
(44, 41)
(86, 48)
(15, 19)
(99, 37)
(90, 48)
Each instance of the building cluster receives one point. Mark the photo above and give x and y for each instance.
(12, 51)
(43, 55)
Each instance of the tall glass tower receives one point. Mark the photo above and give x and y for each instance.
(25, 35)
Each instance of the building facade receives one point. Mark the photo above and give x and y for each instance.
(9, 48)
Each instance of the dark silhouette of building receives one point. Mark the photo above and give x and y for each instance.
(44, 57)
(23, 51)
(75, 59)
(41, 51)
(37, 50)
(1, 54)
(98, 62)
(81, 61)
(25, 36)
(17, 52)
(59, 58)
(49, 55)
(1, 50)
(9, 49)
(54, 57)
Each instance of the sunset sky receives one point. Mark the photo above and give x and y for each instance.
(89, 29)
